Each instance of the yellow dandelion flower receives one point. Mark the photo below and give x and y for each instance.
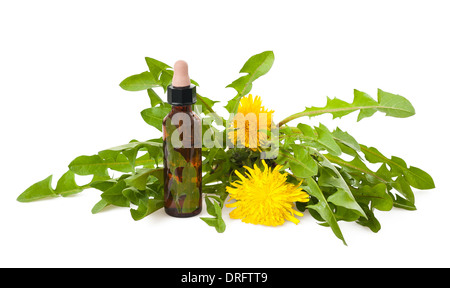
(248, 127)
(264, 197)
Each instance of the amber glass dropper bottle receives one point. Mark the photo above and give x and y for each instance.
(182, 146)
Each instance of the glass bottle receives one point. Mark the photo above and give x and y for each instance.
(182, 147)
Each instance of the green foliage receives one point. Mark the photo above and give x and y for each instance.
(388, 103)
(67, 186)
(349, 189)
(39, 190)
(214, 207)
(255, 67)
(322, 207)
(138, 82)
(332, 167)
(302, 164)
(154, 116)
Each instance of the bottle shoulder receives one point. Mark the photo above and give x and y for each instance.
(190, 114)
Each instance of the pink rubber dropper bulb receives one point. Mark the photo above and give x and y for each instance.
(180, 74)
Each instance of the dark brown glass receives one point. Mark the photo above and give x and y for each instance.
(182, 166)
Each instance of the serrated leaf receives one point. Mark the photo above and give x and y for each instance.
(307, 131)
(210, 221)
(323, 208)
(402, 203)
(242, 85)
(67, 186)
(302, 165)
(114, 195)
(160, 71)
(337, 107)
(326, 139)
(98, 164)
(217, 222)
(362, 99)
(373, 155)
(415, 177)
(103, 185)
(214, 206)
(116, 161)
(155, 66)
(357, 166)
(123, 158)
(383, 174)
(376, 195)
(344, 214)
(39, 190)
(391, 104)
(343, 199)
(146, 207)
(210, 207)
(398, 166)
(345, 139)
(134, 195)
(141, 178)
(338, 182)
(147, 199)
(371, 221)
(403, 188)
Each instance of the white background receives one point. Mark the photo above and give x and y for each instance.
(60, 66)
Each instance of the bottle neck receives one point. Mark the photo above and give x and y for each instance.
(184, 108)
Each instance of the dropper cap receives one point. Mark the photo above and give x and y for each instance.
(181, 92)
